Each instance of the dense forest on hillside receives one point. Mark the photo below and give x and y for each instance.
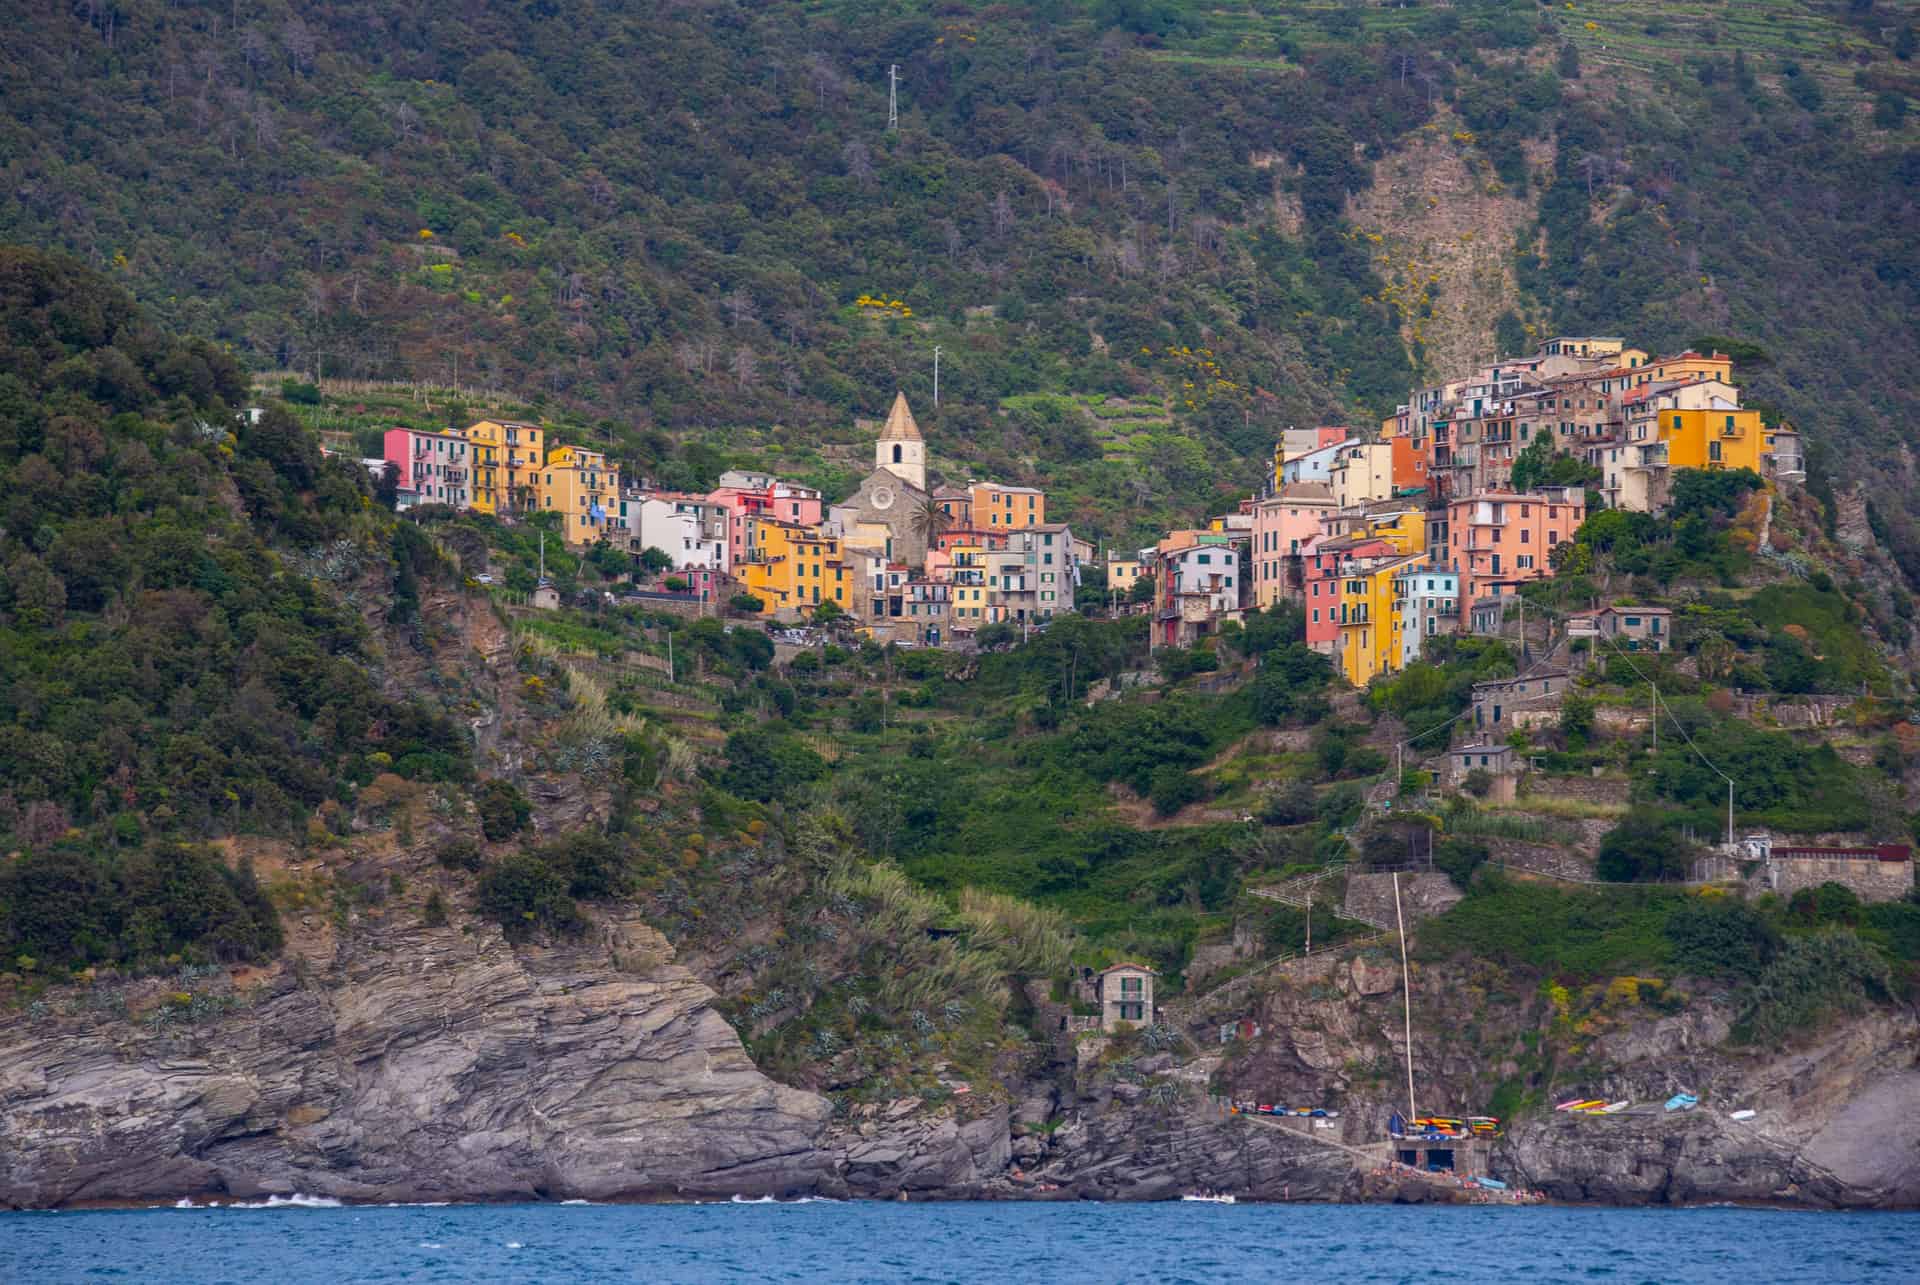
(690, 222)
(170, 676)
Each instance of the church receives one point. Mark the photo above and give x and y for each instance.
(882, 514)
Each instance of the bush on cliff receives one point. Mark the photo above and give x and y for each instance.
(66, 908)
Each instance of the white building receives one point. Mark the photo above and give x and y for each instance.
(1428, 600)
(1314, 466)
(689, 529)
(1360, 473)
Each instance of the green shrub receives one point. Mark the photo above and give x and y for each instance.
(1811, 981)
(1174, 788)
(1459, 858)
(460, 853)
(504, 811)
(1721, 937)
(523, 893)
(1643, 849)
(71, 908)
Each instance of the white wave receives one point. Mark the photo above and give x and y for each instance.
(754, 1200)
(185, 1202)
(576, 1202)
(295, 1201)
(431, 1244)
(514, 1244)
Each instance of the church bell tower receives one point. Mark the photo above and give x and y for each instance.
(901, 450)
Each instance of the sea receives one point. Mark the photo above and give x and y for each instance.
(287, 1242)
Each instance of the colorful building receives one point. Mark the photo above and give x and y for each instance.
(1412, 456)
(1324, 563)
(1500, 540)
(584, 489)
(793, 568)
(1000, 508)
(1426, 605)
(435, 468)
(1713, 439)
(1361, 473)
(1369, 622)
(507, 463)
(749, 495)
(1284, 524)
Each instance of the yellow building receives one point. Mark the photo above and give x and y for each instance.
(1000, 508)
(1369, 619)
(791, 567)
(1713, 439)
(969, 607)
(1121, 575)
(1406, 531)
(583, 488)
(506, 465)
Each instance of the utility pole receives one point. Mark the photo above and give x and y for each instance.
(893, 96)
(1406, 984)
(1656, 715)
(936, 375)
(1729, 814)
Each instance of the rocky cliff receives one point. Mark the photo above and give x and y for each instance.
(400, 1062)
(395, 1061)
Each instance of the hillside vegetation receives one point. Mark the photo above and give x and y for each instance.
(663, 218)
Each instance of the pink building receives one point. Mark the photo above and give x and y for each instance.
(435, 468)
(1499, 540)
(763, 497)
(1322, 564)
(1284, 524)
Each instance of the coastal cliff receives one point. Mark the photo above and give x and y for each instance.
(404, 1063)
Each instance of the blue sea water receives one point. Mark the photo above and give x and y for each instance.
(827, 1241)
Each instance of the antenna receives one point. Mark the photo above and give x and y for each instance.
(936, 375)
(893, 95)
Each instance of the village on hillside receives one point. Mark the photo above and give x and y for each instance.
(1384, 540)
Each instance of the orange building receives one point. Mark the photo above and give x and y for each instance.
(1411, 456)
(999, 508)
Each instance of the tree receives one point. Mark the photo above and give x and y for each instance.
(828, 613)
(1643, 849)
(1141, 590)
(1721, 937)
(930, 521)
(1576, 719)
(747, 604)
(653, 561)
(504, 811)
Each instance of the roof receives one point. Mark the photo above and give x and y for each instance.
(900, 426)
(1483, 747)
(1638, 611)
(1128, 963)
(952, 493)
(1511, 679)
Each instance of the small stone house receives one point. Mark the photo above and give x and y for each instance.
(1126, 996)
(1499, 761)
(1502, 704)
(546, 597)
(1633, 628)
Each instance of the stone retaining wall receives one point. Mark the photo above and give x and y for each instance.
(1422, 895)
(1587, 789)
(1869, 879)
(1541, 858)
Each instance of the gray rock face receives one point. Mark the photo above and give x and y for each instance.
(400, 1062)
(442, 1065)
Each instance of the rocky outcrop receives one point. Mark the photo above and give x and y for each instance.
(426, 1064)
(388, 1060)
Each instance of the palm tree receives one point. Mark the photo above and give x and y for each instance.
(930, 521)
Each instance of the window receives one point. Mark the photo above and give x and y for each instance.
(1130, 985)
